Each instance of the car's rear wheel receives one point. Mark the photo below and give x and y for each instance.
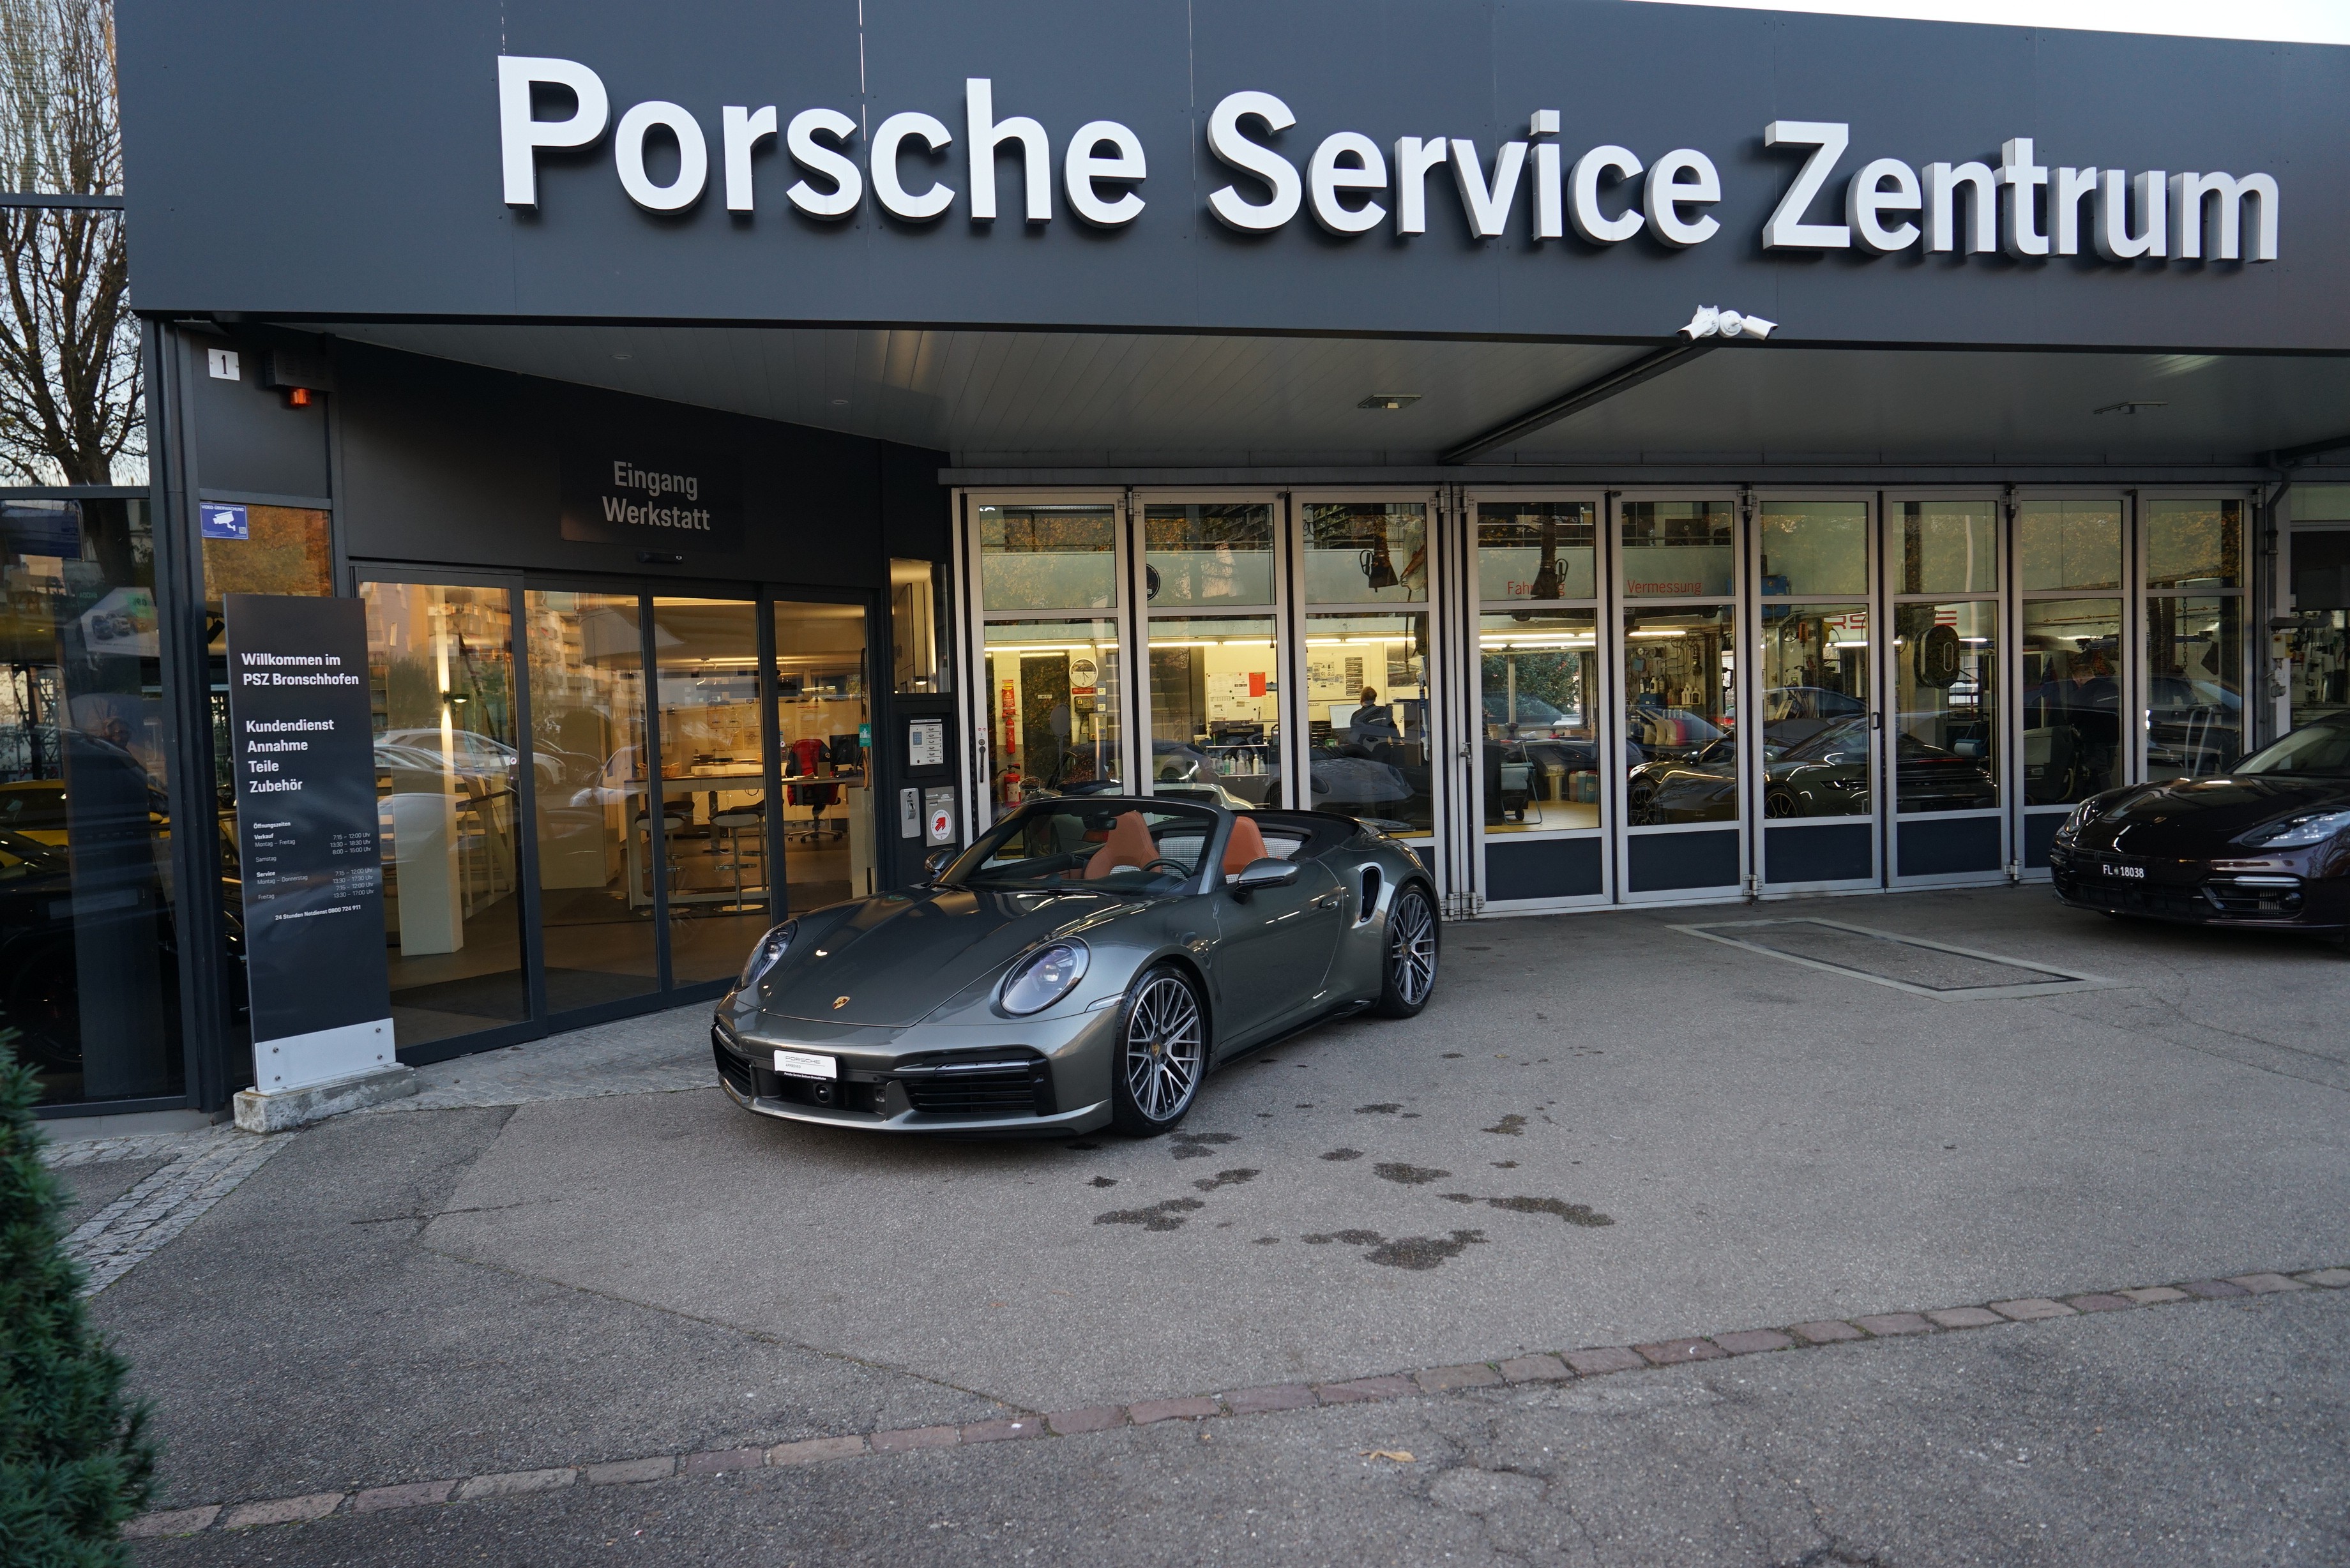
(1409, 973)
(1641, 804)
(1162, 1053)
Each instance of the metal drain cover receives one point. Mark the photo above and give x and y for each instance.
(1889, 957)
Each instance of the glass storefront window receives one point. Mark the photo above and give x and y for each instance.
(918, 661)
(1538, 680)
(1208, 555)
(1817, 737)
(1053, 705)
(712, 789)
(1367, 702)
(2072, 699)
(1366, 551)
(1953, 546)
(1680, 694)
(88, 982)
(587, 749)
(1048, 557)
(447, 760)
(1946, 705)
(2195, 699)
(1537, 550)
(827, 728)
(2194, 544)
(2067, 545)
(2320, 568)
(1679, 549)
(1813, 547)
(1215, 710)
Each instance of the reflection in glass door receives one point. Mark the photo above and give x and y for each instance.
(448, 762)
(1536, 771)
(1215, 679)
(713, 806)
(2194, 610)
(1676, 565)
(1819, 722)
(826, 737)
(1051, 646)
(1370, 725)
(1944, 682)
(2076, 664)
(2319, 582)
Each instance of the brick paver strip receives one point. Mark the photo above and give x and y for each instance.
(1150, 1410)
(813, 1450)
(2031, 1309)
(1475, 1375)
(2212, 1289)
(624, 1472)
(718, 1462)
(907, 1437)
(282, 1510)
(510, 1484)
(1827, 1331)
(1534, 1369)
(415, 1494)
(1002, 1431)
(172, 1522)
(1965, 1317)
(1255, 1401)
(1590, 1361)
(1092, 1418)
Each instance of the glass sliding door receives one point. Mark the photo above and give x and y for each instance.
(1536, 772)
(1213, 697)
(1370, 719)
(825, 729)
(2318, 585)
(1052, 706)
(2194, 617)
(1678, 573)
(1816, 741)
(1943, 683)
(448, 765)
(595, 836)
(712, 868)
(2073, 738)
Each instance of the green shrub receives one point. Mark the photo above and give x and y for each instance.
(74, 1457)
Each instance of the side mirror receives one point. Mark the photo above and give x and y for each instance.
(1265, 873)
(935, 863)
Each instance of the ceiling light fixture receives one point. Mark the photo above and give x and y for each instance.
(1390, 402)
(619, 355)
(2131, 407)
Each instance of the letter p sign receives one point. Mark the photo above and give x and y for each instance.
(520, 136)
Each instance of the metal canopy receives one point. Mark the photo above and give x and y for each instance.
(1061, 400)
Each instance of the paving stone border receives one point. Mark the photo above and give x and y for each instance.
(118, 1236)
(1596, 1361)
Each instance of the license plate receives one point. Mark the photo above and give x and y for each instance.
(803, 1065)
(2134, 873)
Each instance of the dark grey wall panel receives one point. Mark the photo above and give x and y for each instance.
(2039, 832)
(247, 438)
(1544, 869)
(1674, 862)
(1947, 848)
(390, 204)
(1818, 851)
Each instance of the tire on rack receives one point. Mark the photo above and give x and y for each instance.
(1408, 965)
(1161, 1052)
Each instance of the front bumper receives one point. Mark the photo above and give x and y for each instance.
(920, 1080)
(2201, 893)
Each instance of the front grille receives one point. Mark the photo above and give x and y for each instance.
(2232, 899)
(996, 1084)
(732, 1068)
(2220, 899)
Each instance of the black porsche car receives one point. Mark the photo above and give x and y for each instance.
(2264, 844)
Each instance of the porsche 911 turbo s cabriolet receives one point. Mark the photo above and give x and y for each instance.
(2265, 844)
(1084, 965)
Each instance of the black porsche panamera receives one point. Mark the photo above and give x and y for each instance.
(2266, 845)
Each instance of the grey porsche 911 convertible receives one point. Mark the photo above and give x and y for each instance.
(1083, 965)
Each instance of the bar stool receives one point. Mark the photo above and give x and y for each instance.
(728, 827)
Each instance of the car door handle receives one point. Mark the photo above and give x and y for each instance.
(1326, 901)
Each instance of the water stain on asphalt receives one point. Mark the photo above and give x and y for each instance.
(1351, 1237)
(1423, 1251)
(1104, 1182)
(1344, 1154)
(1226, 1179)
(1385, 1108)
(1454, 1055)
(1503, 1164)
(1167, 1214)
(1198, 1146)
(1511, 1126)
(1409, 1175)
(1573, 1214)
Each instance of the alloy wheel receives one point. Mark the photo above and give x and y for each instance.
(1163, 1048)
(1411, 947)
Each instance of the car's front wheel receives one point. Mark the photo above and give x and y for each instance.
(1409, 973)
(1162, 1053)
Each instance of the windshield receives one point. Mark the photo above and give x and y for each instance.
(1831, 744)
(32, 805)
(2319, 751)
(1105, 845)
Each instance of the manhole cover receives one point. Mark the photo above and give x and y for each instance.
(1904, 962)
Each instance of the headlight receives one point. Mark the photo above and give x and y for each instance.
(2083, 814)
(767, 954)
(1043, 978)
(2315, 828)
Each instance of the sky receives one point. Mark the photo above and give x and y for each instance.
(2293, 21)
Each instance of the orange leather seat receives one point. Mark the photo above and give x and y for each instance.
(1245, 846)
(1130, 844)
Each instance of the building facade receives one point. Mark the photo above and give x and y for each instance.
(1640, 454)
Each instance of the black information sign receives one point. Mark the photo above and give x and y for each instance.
(303, 756)
(657, 499)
